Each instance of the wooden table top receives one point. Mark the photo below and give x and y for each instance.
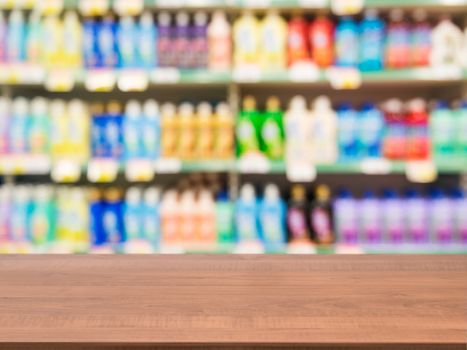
(234, 300)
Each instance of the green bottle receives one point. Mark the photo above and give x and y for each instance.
(248, 125)
(224, 220)
(272, 130)
(43, 217)
(442, 130)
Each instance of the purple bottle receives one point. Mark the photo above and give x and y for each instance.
(165, 44)
(182, 41)
(5, 213)
(441, 217)
(460, 207)
(370, 218)
(199, 41)
(346, 218)
(393, 217)
(416, 213)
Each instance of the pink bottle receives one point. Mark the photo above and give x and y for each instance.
(398, 41)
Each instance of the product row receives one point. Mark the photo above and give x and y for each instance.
(196, 215)
(210, 42)
(322, 135)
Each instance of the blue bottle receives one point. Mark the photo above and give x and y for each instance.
(347, 132)
(371, 131)
(371, 218)
(372, 30)
(90, 43)
(151, 217)
(272, 219)
(114, 139)
(416, 217)
(347, 43)
(16, 38)
(127, 40)
(147, 42)
(133, 214)
(246, 215)
(133, 131)
(113, 223)
(96, 223)
(99, 148)
(107, 43)
(151, 130)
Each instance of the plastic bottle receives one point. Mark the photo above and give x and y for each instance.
(90, 43)
(5, 121)
(397, 41)
(20, 214)
(461, 127)
(248, 124)
(321, 219)
(170, 218)
(447, 43)
(246, 215)
(272, 218)
(322, 41)
(273, 36)
(72, 40)
(323, 135)
(151, 217)
(96, 223)
(34, 39)
(114, 226)
(6, 198)
(79, 130)
(416, 217)
(372, 30)
(78, 222)
(224, 219)
(169, 130)
(460, 208)
(297, 130)
(395, 140)
(347, 43)
(418, 143)
(133, 126)
(224, 142)
(147, 42)
(297, 43)
(59, 121)
(246, 37)
(53, 42)
(346, 218)
(370, 219)
(182, 41)
(421, 39)
(42, 217)
(187, 142)
(442, 130)
(39, 130)
(441, 217)
(347, 135)
(188, 211)
(371, 131)
(166, 42)
(151, 130)
(205, 136)
(133, 214)
(114, 130)
(127, 42)
(297, 214)
(199, 41)
(205, 227)
(16, 38)
(393, 217)
(3, 38)
(272, 130)
(107, 43)
(219, 42)
(19, 127)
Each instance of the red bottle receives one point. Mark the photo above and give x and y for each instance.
(395, 140)
(322, 41)
(418, 142)
(398, 41)
(297, 43)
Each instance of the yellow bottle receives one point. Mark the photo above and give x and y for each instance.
(53, 41)
(169, 137)
(246, 40)
(224, 132)
(273, 42)
(205, 132)
(60, 131)
(79, 129)
(71, 48)
(187, 120)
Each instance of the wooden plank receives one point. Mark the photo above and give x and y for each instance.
(377, 302)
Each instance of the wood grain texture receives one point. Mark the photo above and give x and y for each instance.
(371, 302)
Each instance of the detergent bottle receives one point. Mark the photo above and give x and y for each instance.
(347, 42)
(247, 128)
(127, 42)
(199, 41)
(72, 40)
(151, 130)
(421, 39)
(246, 214)
(169, 140)
(272, 130)
(442, 130)
(297, 214)
(147, 42)
(418, 142)
(187, 142)
(395, 139)
(297, 43)
(166, 41)
(347, 132)
(397, 41)
(461, 127)
(321, 219)
(371, 131)
(79, 130)
(323, 133)
(16, 38)
(273, 36)
(205, 137)
(246, 37)
(272, 216)
(3, 38)
(220, 42)
(151, 216)
(322, 41)
(133, 130)
(297, 130)
(372, 30)
(39, 131)
(447, 43)
(33, 40)
(370, 222)
(224, 132)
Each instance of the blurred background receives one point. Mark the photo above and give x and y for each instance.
(242, 126)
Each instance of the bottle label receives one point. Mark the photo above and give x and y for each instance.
(297, 223)
(322, 225)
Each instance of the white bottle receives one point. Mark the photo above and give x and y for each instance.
(463, 58)
(447, 41)
(297, 134)
(220, 42)
(78, 129)
(323, 132)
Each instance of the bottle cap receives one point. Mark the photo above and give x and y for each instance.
(164, 19)
(126, 21)
(345, 193)
(35, 17)
(97, 109)
(389, 193)
(43, 193)
(298, 193)
(371, 13)
(223, 110)
(133, 109)
(396, 15)
(94, 195)
(186, 110)
(369, 194)
(70, 16)
(201, 18)
(182, 19)
(20, 106)
(273, 104)
(345, 106)
(113, 194)
(394, 106)
(22, 194)
(249, 103)
(323, 193)
(146, 19)
(219, 16)
(133, 195)
(322, 103)
(420, 15)
(152, 195)
(168, 110)
(39, 106)
(298, 103)
(77, 107)
(114, 107)
(368, 106)
(16, 16)
(271, 193)
(248, 193)
(441, 105)
(411, 193)
(204, 110)
(417, 105)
